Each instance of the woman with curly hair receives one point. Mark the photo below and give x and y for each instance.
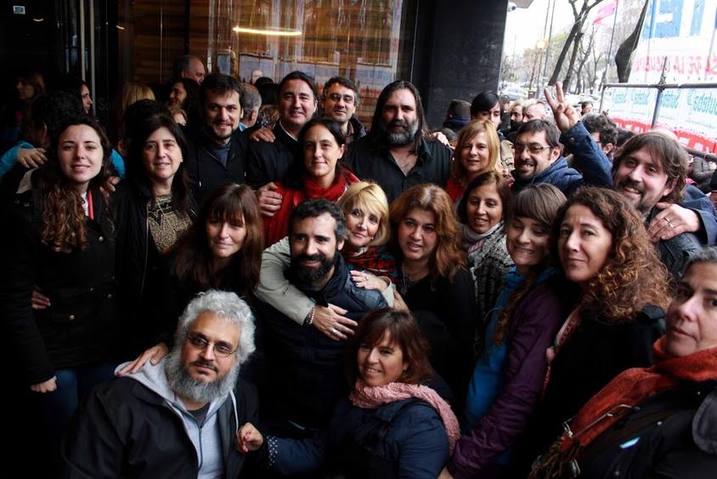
(622, 292)
(433, 280)
(477, 151)
(60, 240)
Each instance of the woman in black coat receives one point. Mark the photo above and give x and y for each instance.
(60, 240)
(659, 421)
(621, 292)
(154, 207)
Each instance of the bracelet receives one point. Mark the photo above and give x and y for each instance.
(309, 320)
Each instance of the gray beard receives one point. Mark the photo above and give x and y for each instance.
(189, 388)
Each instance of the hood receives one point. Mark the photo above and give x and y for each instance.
(559, 174)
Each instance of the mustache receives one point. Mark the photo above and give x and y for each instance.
(631, 184)
(395, 123)
(205, 364)
(311, 257)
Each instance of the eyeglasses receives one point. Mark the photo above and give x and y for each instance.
(348, 99)
(199, 342)
(534, 148)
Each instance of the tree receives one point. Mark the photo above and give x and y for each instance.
(574, 37)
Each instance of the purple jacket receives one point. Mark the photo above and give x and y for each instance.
(535, 322)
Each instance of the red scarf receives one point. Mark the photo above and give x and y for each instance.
(277, 226)
(371, 397)
(455, 188)
(630, 388)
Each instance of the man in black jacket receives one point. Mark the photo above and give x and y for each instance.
(340, 100)
(304, 377)
(216, 155)
(177, 418)
(397, 153)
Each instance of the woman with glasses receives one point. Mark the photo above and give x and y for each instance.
(657, 421)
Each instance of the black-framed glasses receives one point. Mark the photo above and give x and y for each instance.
(348, 99)
(534, 148)
(221, 348)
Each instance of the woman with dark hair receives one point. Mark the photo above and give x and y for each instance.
(657, 421)
(155, 207)
(221, 250)
(28, 86)
(621, 292)
(477, 151)
(183, 100)
(392, 424)
(61, 240)
(433, 280)
(481, 212)
(508, 377)
(318, 173)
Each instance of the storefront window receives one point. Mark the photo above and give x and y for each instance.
(358, 39)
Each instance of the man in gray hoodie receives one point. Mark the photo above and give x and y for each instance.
(179, 417)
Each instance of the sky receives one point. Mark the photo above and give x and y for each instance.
(524, 26)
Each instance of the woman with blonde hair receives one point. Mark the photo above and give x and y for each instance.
(131, 93)
(477, 151)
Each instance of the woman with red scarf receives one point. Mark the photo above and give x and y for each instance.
(659, 421)
(317, 174)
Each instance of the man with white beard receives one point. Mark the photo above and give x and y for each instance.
(179, 417)
(397, 153)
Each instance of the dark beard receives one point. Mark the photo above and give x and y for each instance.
(310, 276)
(187, 387)
(402, 137)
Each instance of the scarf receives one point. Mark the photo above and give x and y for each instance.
(277, 226)
(371, 397)
(376, 259)
(618, 398)
(472, 241)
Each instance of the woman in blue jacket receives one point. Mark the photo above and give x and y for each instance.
(390, 426)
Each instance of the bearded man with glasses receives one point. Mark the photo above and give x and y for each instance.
(179, 417)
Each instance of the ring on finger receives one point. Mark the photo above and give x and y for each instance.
(669, 223)
(333, 331)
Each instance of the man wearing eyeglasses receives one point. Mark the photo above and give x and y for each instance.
(179, 417)
(538, 155)
(340, 100)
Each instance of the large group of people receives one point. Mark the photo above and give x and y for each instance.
(231, 288)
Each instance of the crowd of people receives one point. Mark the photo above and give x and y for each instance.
(234, 279)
